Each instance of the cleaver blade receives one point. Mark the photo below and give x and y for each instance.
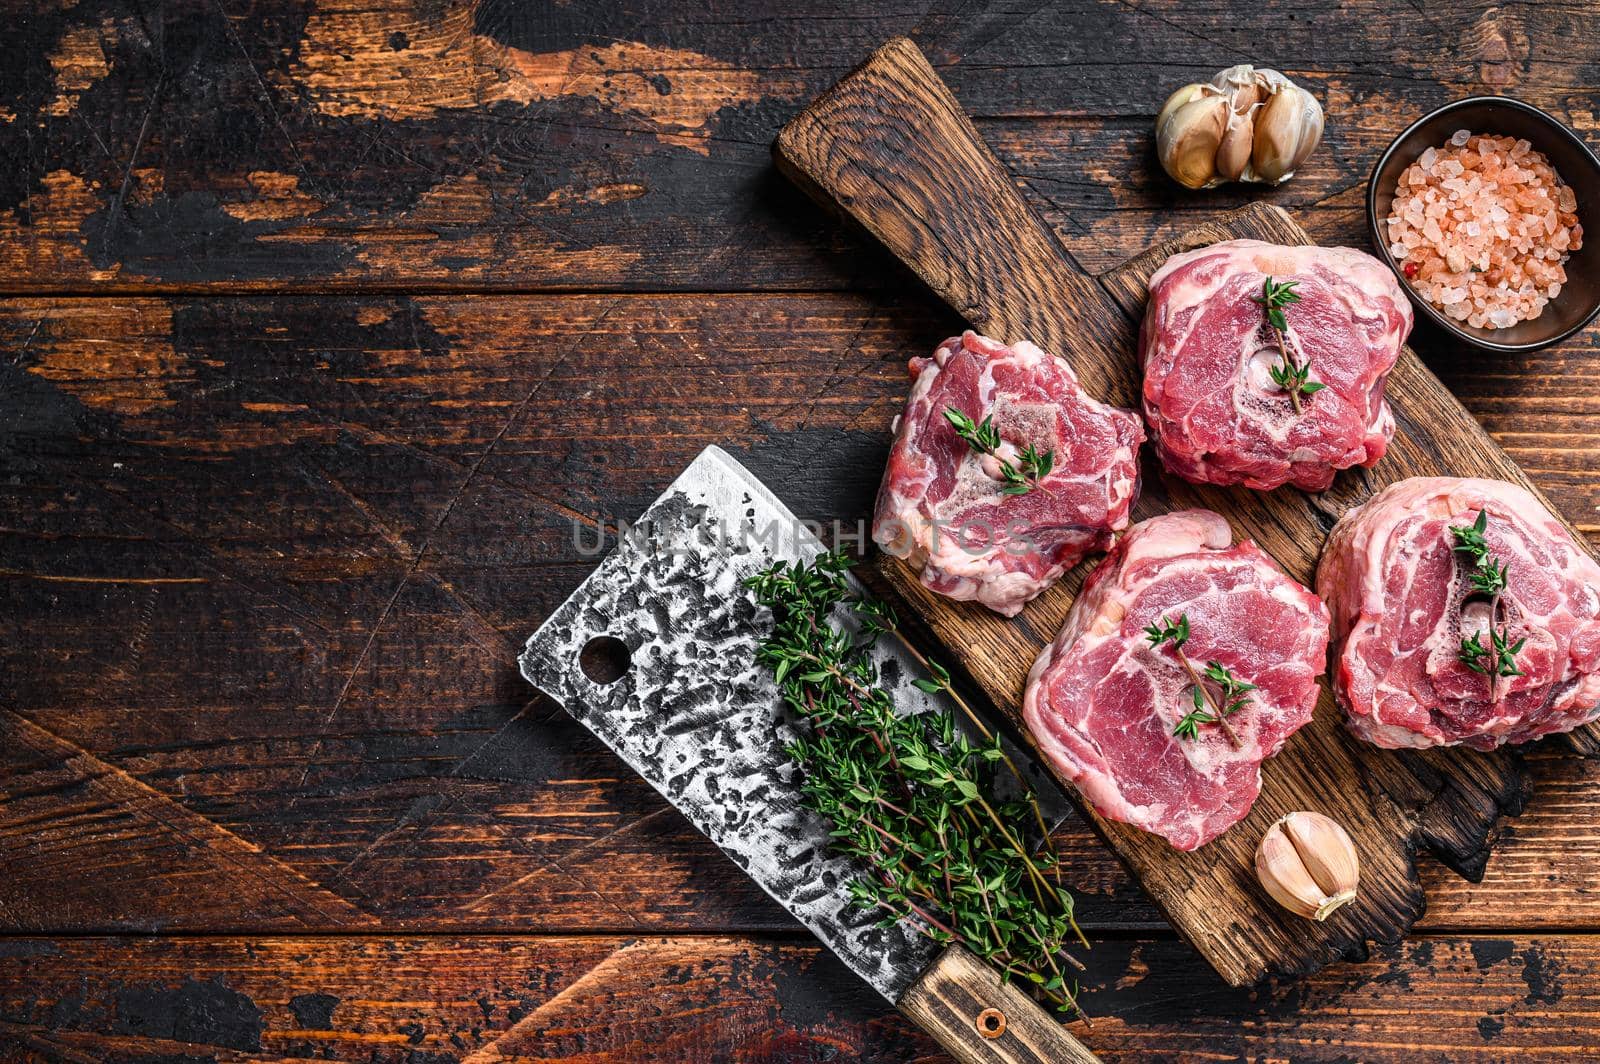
(696, 716)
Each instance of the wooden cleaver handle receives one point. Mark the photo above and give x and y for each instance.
(962, 1003)
(891, 146)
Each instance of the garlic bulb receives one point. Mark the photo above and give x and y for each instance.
(1308, 864)
(1242, 125)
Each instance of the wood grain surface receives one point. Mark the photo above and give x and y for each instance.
(484, 1000)
(321, 323)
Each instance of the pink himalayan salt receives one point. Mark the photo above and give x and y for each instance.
(1482, 227)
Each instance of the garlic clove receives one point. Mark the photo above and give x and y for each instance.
(1285, 878)
(1189, 134)
(1247, 95)
(1308, 864)
(1186, 95)
(1287, 129)
(1311, 130)
(1233, 154)
(1245, 91)
(1326, 850)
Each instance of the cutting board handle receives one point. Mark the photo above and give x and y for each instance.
(890, 145)
(962, 1003)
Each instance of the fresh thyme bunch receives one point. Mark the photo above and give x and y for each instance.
(909, 794)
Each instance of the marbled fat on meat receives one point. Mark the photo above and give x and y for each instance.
(941, 506)
(1214, 411)
(1102, 702)
(1401, 603)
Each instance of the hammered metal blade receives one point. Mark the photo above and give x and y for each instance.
(700, 720)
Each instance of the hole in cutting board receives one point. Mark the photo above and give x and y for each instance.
(604, 659)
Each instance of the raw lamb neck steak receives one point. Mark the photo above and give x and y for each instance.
(944, 507)
(1104, 703)
(1208, 351)
(1402, 601)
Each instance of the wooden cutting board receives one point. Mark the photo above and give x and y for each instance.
(890, 146)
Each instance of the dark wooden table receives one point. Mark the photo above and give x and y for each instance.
(330, 332)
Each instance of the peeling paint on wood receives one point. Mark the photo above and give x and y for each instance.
(373, 106)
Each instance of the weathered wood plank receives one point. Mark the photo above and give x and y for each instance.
(162, 863)
(211, 502)
(348, 143)
(602, 1000)
(218, 377)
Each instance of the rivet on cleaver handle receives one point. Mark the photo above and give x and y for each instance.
(702, 723)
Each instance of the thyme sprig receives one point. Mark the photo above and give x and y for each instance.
(1471, 541)
(1023, 475)
(1497, 659)
(910, 795)
(1230, 696)
(1293, 377)
(1487, 579)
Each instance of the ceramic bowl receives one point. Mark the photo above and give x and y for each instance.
(1579, 300)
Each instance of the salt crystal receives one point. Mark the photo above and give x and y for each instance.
(1481, 206)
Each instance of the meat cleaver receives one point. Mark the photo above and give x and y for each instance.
(689, 709)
